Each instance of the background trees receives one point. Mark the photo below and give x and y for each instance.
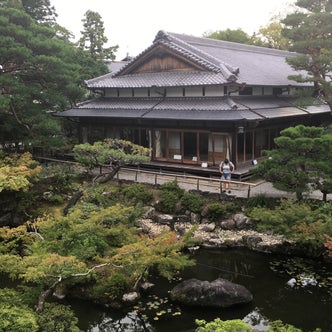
(309, 30)
(40, 74)
(93, 38)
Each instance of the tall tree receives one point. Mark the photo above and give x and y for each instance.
(309, 29)
(40, 74)
(40, 10)
(93, 37)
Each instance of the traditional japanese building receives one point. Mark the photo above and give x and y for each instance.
(195, 101)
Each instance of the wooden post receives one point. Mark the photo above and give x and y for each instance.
(197, 184)
(248, 191)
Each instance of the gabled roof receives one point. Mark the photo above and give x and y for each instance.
(208, 62)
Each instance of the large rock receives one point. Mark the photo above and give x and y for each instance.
(219, 293)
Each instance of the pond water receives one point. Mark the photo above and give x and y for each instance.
(306, 305)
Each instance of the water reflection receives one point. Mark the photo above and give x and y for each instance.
(132, 322)
(304, 307)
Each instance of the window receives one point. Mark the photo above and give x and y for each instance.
(246, 91)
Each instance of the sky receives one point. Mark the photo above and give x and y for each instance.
(133, 24)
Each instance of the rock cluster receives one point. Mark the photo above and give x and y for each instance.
(235, 231)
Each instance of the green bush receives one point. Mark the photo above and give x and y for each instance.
(260, 200)
(17, 318)
(234, 325)
(279, 326)
(216, 211)
(56, 199)
(191, 202)
(56, 317)
(102, 195)
(168, 201)
(170, 195)
(61, 177)
(116, 285)
(112, 287)
(172, 186)
(138, 193)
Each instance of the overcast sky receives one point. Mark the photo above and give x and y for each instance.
(133, 24)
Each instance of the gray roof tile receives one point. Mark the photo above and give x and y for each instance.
(223, 62)
(192, 109)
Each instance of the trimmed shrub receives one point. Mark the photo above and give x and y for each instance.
(170, 195)
(138, 193)
(217, 211)
(191, 202)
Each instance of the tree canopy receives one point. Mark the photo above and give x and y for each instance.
(301, 161)
(40, 10)
(111, 153)
(93, 37)
(40, 74)
(237, 36)
(309, 30)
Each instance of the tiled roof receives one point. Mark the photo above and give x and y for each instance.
(247, 108)
(167, 79)
(222, 61)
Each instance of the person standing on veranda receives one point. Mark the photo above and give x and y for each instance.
(226, 168)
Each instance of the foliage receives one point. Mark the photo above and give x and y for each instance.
(17, 316)
(170, 195)
(17, 172)
(17, 319)
(271, 36)
(137, 193)
(41, 74)
(297, 220)
(238, 35)
(309, 30)
(218, 325)
(260, 200)
(268, 36)
(14, 240)
(40, 10)
(191, 202)
(102, 195)
(93, 38)
(113, 153)
(237, 325)
(215, 211)
(112, 287)
(328, 244)
(279, 326)
(300, 162)
(60, 177)
(56, 317)
(162, 253)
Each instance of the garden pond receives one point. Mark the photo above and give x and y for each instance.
(294, 290)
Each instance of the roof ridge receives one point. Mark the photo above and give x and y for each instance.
(226, 69)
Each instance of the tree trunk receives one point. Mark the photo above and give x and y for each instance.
(72, 201)
(45, 294)
(102, 178)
